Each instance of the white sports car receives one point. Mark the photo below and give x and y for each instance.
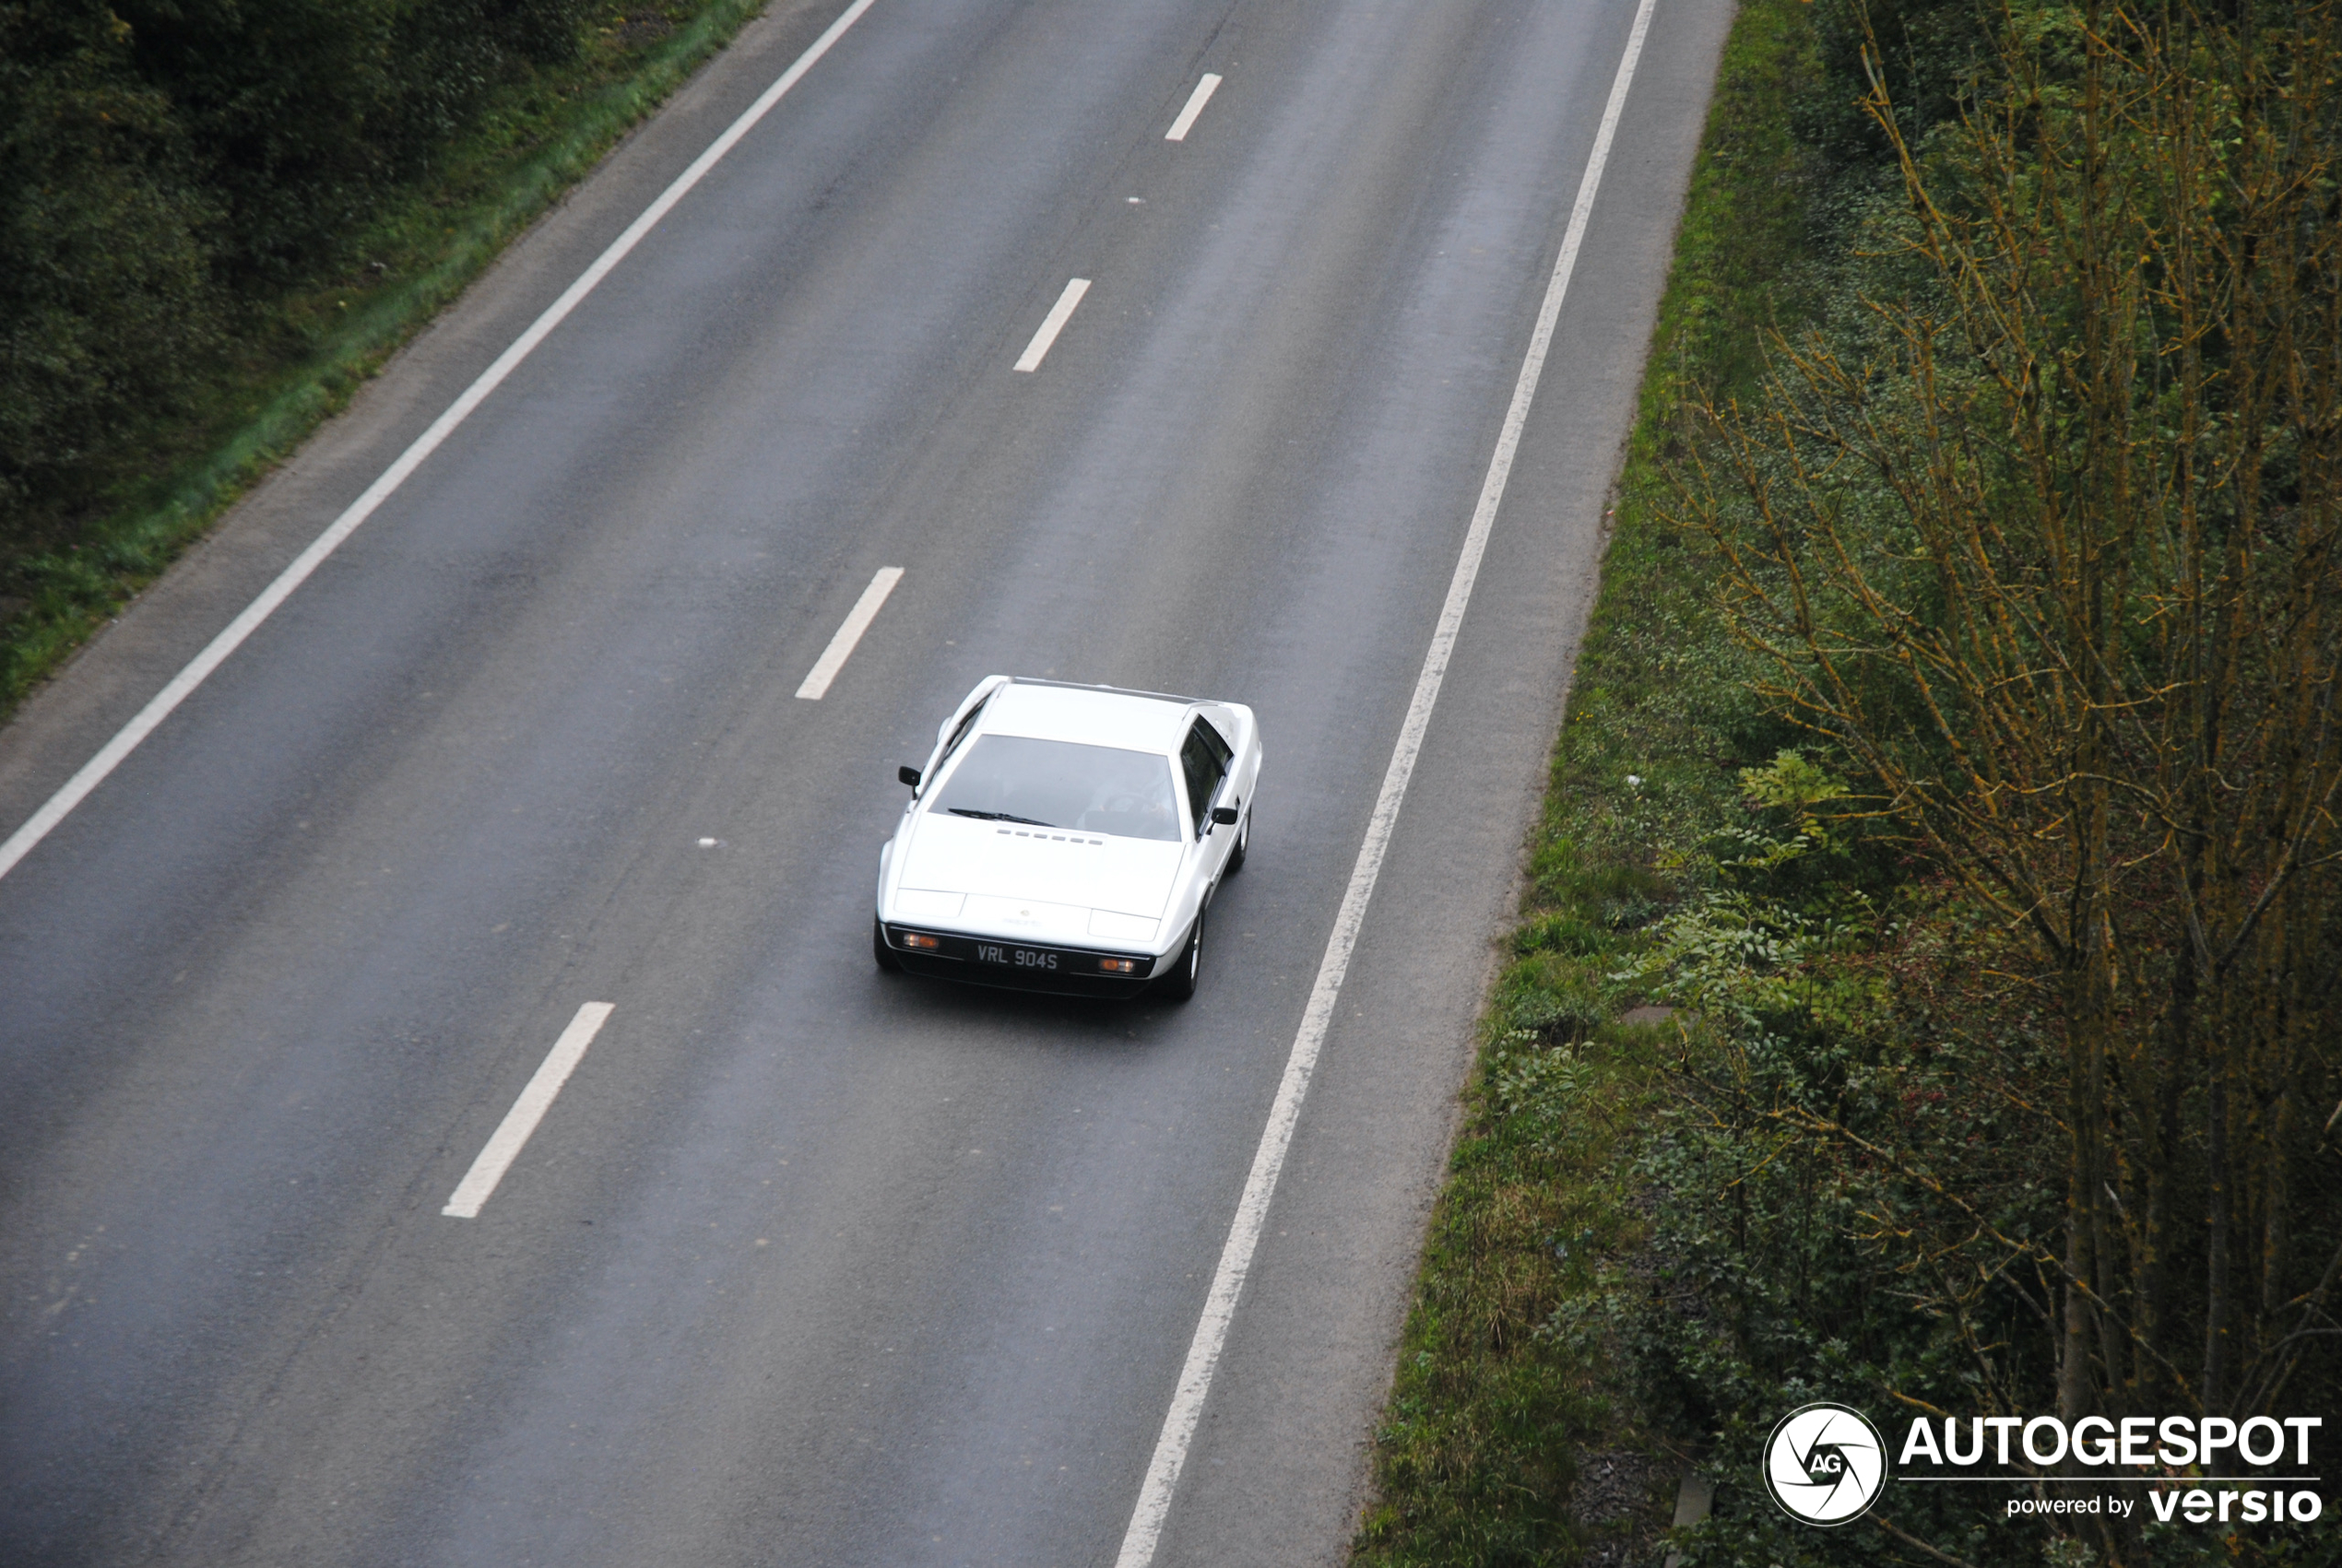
(1068, 838)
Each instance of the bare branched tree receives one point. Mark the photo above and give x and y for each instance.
(2054, 560)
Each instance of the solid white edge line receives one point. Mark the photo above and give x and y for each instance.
(857, 620)
(512, 1133)
(126, 740)
(1252, 1210)
(1196, 100)
(1052, 324)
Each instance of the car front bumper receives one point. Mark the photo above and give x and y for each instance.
(1020, 966)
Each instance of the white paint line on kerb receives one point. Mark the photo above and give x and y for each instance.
(1053, 323)
(512, 1133)
(857, 620)
(1196, 100)
(126, 740)
(1284, 1115)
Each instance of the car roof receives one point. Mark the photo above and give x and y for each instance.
(1133, 721)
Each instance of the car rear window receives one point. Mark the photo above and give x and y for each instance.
(1062, 784)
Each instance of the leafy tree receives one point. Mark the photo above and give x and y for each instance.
(165, 164)
(105, 293)
(282, 100)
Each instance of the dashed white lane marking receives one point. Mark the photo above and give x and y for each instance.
(1196, 100)
(126, 740)
(1052, 324)
(857, 620)
(512, 1133)
(1267, 1162)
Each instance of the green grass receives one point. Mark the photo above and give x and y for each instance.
(1497, 1399)
(303, 354)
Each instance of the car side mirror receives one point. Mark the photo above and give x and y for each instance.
(1225, 815)
(908, 774)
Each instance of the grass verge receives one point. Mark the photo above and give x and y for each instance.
(1503, 1442)
(302, 355)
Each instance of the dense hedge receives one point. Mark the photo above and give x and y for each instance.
(164, 163)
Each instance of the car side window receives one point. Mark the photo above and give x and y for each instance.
(1203, 756)
(1214, 739)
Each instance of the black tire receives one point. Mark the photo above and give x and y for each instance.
(1180, 983)
(885, 956)
(1244, 843)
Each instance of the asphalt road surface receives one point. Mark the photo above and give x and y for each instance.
(807, 1264)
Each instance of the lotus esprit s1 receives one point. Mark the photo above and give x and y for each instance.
(1068, 838)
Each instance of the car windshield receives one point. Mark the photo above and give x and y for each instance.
(1062, 784)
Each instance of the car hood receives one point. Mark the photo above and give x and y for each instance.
(962, 854)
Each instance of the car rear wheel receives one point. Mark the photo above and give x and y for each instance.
(1180, 984)
(881, 951)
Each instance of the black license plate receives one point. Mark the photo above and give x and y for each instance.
(1015, 958)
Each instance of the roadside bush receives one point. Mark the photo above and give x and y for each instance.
(169, 170)
(106, 296)
(451, 53)
(282, 103)
(301, 112)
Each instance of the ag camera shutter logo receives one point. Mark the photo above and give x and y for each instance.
(1825, 1464)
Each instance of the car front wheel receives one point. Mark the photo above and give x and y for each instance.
(1180, 983)
(881, 951)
